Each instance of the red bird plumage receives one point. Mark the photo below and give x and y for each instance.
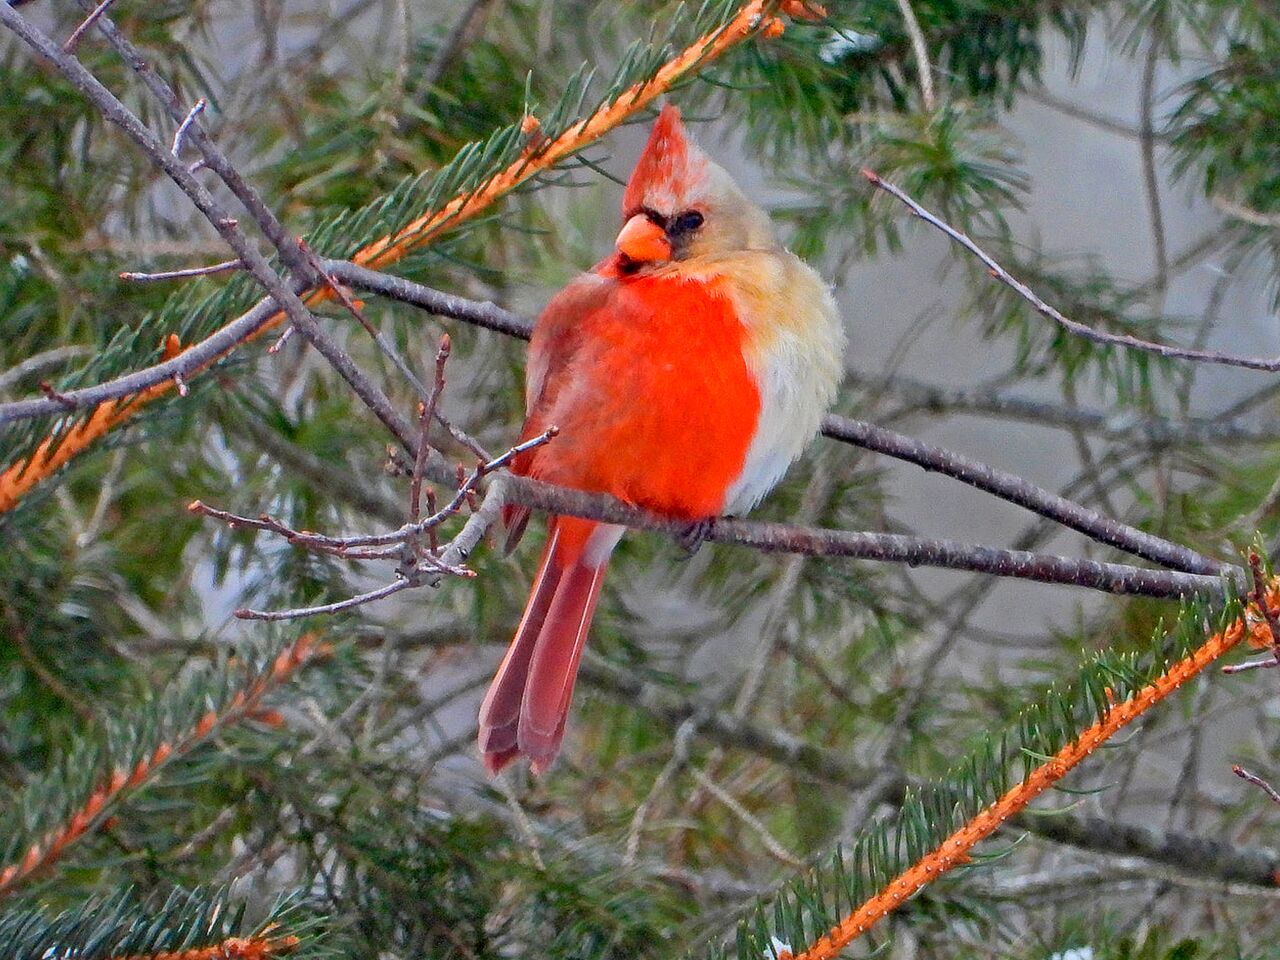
(685, 373)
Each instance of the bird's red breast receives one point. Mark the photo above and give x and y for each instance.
(646, 379)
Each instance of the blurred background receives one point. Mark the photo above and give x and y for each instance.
(1120, 157)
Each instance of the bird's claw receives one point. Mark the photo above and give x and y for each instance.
(695, 535)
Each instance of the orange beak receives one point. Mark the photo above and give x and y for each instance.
(643, 241)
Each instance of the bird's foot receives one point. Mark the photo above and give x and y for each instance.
(695, 535)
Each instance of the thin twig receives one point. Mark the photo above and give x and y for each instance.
(186, 124)
(212, 268)
(675, 763)
(1150, 172)
(425, 416)
(1045, 310)
(1227, 427)
(1246, 214)
(343, 545)
(464, 32)
(394, 587)
(920, 51)
(61, 399)
(41, 361)
(1015, 489)
(1265, 663)
(771, 843)
(86, 25)
(18, 634)
(1257, 781)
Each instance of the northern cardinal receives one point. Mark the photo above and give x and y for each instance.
(685, 372)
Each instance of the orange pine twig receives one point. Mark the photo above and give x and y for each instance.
(93, 811)
(54, 453)
(389, 249)
(258, 947)
(955, 849)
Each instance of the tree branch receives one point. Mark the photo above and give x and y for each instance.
(1011, 487)
(954, 850)
(109, 792)
(1269, 365)
(884, 547)
(1191, 855)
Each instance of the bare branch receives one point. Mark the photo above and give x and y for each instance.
(424, 421)
(1130, 425)
(883, 547)
(1010, 487)
(74, 40)
(481, 314)
(395, 587)
(1257, 781)
(41, 361)
(212, 268)
(187, 121)
(1244, 213)
(920, 51)
(1045, 310)
(1264, 664)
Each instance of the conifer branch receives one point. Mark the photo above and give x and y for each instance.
(258, 947)
(544, 154)
(1189, 854)
(199, 924)
(59, 447)
(477, 193)
(104, 794)
(955, 849)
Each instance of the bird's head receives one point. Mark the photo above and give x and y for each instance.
(679, 204)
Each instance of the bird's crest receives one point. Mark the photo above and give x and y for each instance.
(669, 169)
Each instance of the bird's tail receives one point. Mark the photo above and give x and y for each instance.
(525, 710)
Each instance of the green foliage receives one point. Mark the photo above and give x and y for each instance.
(127, 925)
(810, 905)
(128, 740)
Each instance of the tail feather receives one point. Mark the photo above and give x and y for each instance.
(500, 711)
(554, 667)
(527, 705)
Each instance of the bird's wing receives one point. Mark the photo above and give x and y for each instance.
(561, 331)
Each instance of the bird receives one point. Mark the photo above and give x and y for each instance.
(685, 372)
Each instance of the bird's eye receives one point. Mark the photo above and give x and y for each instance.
(689, 220)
